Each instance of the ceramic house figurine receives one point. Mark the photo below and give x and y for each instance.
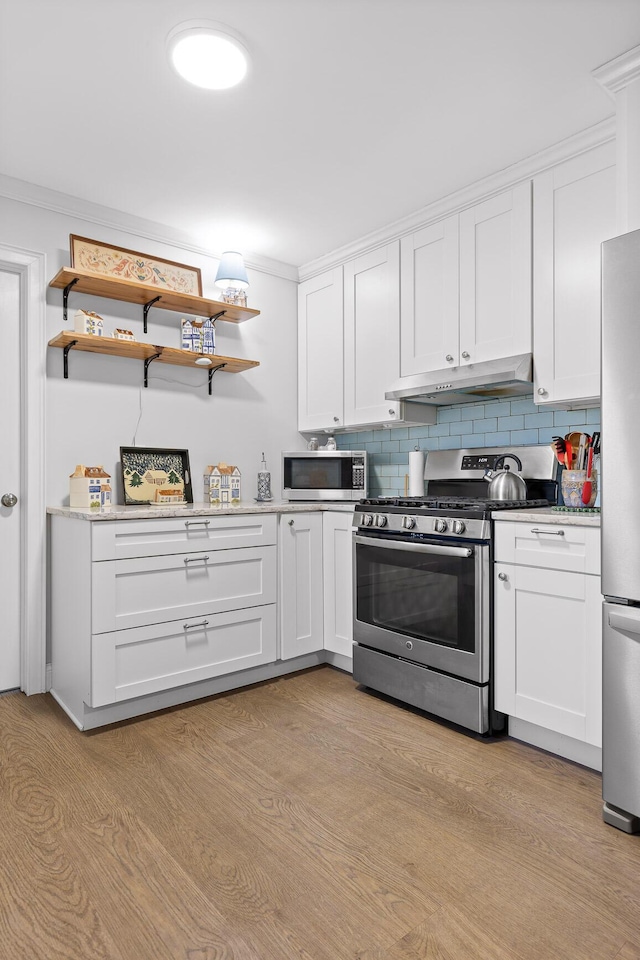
(89, 487)
(192, 335)
(208, 336)
(87, 322)
(222, 484)
(120, 334)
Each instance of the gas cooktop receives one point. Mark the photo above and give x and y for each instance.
(473, 506)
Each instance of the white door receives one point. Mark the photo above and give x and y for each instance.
(10, 480)
(429, 298)
(338, 582)
(372, 335)
(320, 366)
(495, 277)
(301, 598)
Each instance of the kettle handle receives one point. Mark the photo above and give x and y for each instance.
(512, 456)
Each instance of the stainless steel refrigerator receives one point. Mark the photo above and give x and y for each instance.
(620, 499)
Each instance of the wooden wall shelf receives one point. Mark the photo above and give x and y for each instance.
(148, 352)
(81, 281)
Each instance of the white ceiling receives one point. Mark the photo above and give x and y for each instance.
(356, 112)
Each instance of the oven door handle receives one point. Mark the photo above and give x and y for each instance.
(437, 549)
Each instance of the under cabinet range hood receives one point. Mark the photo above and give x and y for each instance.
(488, 380)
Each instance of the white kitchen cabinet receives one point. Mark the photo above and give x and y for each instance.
(466, 286)
(348, 347)
(320, 352)
(338, 582)
(429, 298)
(139, 607)
(574, 211)
(548, 630)
(301, 588)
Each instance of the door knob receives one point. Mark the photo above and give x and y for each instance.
(9, 500)
(465, 354)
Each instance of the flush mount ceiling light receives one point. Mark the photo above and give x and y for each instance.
(207, 55)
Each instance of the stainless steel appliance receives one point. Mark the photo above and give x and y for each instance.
(324, 475)
(423, 594)
(621, 532)
(488, 380)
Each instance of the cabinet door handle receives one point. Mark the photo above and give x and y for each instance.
(502, 576)
(550, 533)
(190, 626)
(197, 523)
(449, 358)
(290, 523)
(465, 354)
(196, 559)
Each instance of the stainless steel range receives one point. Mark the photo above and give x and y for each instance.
(423, 585)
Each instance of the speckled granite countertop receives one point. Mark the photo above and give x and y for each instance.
(145, 512)
(547, 515)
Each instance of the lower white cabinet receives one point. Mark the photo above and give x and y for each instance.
(548, 628)
(182, 601)
(301, 595)
(338, 582)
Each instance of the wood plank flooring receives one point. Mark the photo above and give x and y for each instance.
(301, 818)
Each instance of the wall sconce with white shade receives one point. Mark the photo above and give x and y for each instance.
(232, 279)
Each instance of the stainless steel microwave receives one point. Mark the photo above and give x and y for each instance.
(324, 475)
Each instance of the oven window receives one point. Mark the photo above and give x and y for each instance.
(417, 594)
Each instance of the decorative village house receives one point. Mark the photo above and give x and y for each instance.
(222, 484)
(89, 487)
(192, 335)
(85, 321)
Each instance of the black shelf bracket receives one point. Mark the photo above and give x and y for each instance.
(65, 298)
(217, 315)
(146, 309)
(215, 370)
(65, 361)
(147, 362)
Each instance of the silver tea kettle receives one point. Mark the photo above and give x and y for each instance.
(504, 484)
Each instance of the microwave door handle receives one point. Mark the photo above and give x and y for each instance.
(436, 549)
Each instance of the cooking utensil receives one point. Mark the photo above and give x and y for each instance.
(558, 445)
(504, 484)
(588, 484)
(573, 441)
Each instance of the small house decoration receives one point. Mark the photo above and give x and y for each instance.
(192, 335)
(222, 484)
(169, 495)
(120, 334)
(89, 487)
(85, 321)
(208, 344)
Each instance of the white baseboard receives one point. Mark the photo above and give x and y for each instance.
(584, 753)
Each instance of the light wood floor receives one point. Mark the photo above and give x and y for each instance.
(303, 818)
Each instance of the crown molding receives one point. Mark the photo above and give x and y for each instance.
(37, 196)
(600, 133)
(617, 74)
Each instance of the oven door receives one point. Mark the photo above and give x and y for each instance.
(426, 601)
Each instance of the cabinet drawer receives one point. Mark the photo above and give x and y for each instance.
(137, 592)
(123, 539)
(133, 663)
(549, 545)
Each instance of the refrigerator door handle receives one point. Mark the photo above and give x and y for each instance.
(625, 622)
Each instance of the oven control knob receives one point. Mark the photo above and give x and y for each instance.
(408, 523)
(367, 519)
(381, 520)
(458, 526)
(440, 526)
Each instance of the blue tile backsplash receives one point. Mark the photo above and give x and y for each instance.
(496, 423)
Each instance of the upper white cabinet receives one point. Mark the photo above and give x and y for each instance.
(320, 352)
(349, 346)
(429, 298)
(466, 286)
(574, 211)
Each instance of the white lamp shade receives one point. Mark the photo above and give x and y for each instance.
(231, 272)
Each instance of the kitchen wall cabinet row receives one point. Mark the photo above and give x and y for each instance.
(141, 608)
(517, 273)
(548, 631)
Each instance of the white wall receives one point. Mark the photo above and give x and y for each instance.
(94, 412)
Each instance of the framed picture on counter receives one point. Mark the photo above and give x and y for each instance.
(155, 476)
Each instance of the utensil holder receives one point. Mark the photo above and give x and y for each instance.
(572, 483)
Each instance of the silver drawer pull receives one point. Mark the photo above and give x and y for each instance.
(196, 559)
(190, 626)
(197, 523)
(550, 533)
